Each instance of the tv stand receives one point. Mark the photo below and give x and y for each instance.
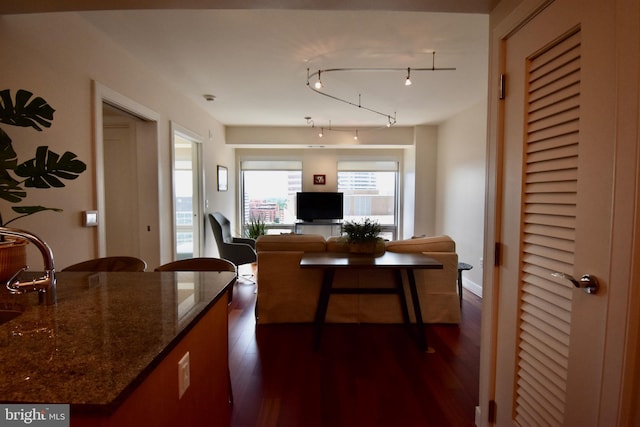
(322, 227)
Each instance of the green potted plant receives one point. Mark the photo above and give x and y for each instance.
(363, 236)
(256, 228)
(46, 169)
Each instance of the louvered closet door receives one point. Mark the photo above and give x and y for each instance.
(555, 218)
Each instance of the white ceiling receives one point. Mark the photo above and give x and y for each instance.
(255, 61)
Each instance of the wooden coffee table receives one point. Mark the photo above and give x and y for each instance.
(329, 262)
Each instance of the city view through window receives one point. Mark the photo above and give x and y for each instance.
(270, 196)
(369, 194)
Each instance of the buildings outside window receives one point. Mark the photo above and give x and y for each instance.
(269, 193)
(370, 190)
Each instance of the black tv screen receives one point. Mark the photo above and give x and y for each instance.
(311, 206)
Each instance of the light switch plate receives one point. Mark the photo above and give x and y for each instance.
(90, 218)
(184, 376)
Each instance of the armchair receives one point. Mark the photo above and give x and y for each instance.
(235, 249)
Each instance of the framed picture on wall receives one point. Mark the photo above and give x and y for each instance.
(223, 178)
(319, 179)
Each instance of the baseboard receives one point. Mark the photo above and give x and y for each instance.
(472, 287)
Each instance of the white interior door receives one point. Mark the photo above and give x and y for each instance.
(121, 184)
(558, 158)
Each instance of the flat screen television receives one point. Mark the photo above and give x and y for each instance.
(312, 206)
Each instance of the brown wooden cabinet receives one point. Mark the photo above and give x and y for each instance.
(155, 401)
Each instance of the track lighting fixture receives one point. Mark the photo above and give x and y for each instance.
(390, 122)
(354, 131)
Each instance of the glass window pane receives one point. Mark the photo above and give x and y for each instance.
(370, 194)
(186, 192)
(270, 195)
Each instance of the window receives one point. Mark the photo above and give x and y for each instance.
(268, 193)
(370, 191)
(187, 188)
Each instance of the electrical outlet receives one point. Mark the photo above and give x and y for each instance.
(184, 376)
(481, 262)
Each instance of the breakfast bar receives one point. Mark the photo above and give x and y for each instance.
(111, 345)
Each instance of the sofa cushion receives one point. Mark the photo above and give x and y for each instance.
(291, 242)
(423, 244)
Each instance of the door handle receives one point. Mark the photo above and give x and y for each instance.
(587, 282)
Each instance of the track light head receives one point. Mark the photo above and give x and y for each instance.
(309, 121)
(407, 82)
(318, 84)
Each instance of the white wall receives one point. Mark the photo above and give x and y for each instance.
(247, 136)
(427, 167)
(408, 186)
(460, 191)
(57, 56)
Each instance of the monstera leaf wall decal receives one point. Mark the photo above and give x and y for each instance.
(47, 169)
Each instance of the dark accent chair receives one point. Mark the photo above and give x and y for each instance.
(110, 263)
(238, 250)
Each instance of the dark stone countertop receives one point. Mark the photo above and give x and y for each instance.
(102, 338)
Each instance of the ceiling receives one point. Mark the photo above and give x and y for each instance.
(465, 6)
(255, 59)
(255, 62)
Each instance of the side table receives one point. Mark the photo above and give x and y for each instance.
(329, 262)
(462, 266)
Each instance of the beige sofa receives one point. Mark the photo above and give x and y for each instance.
(289, 294)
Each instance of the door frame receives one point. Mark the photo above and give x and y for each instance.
(103, 94)
(621, 370)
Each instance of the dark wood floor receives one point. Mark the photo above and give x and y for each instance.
(363, 375)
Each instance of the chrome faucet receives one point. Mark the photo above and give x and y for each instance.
(45, 285)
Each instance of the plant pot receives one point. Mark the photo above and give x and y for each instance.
(368, 248)
(13, 257)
